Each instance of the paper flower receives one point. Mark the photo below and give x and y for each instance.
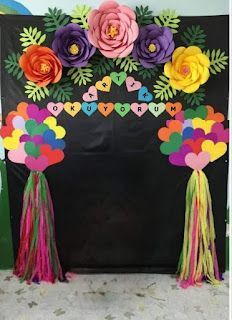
(72, 46)
(41, 65)
(153, 46)
(188, 69)
(113, 29)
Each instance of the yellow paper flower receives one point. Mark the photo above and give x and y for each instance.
(188, 69)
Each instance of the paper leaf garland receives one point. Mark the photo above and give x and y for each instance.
(81, 76)
(147, 73)
(218, 60)
(144, 15)
(80, 15)
(127, 64)
(136, 42)
(12, 65)
(194, 99)
(163, 89)
(168, 18)
(61, 91)
(101, 65)
(31, 36)
(54, 19)
(194, 36)
(35, 92)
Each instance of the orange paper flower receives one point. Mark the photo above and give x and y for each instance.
(41, 65)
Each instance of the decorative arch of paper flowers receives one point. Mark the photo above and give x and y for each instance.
(93, 42)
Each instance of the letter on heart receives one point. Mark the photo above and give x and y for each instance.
(72, 108)
(55, 108)
(132, 85)
(104, 85)
(91, 95)
(139, 109)
(173, 108)
(156, 108)
(105, 108)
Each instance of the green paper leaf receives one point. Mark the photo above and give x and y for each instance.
(218, 60)
(127, 64)
(101, 65)
(12, 65)
(61, 91)
(54, 19)
(80, 15)
(144, 15)
(194, 35)
(168, 18)
(31, 36)
(194, 99)
(81, 76)
(35, 92)
(163, 89)
(147, 73)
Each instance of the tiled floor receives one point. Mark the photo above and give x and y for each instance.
(112, 297)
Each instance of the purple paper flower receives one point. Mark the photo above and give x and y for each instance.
(153, 46)
(72, 47)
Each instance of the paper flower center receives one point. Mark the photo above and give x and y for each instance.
(152, 47)
(185, 70)
(112, 31)
(74, 49)
(45, 68)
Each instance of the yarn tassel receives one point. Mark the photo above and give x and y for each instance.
(198, 259)
(37, 258)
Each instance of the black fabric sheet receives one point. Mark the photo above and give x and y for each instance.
(119, 204)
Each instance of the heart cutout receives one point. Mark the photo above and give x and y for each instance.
(55, 108)
(72, 108)
(144, 95)
(132, 85)
(173, 108)
(197, 161)
(194, 144)
(104, 84)
(18, 155)
(206, 125)
(200, 112)
(12, 142)
(215, 150)
(90, 95)
(89, 108)
(118, 77)
(18, 122)
(156, 108)
(172, 145)
(173, 126)
(217, 117)
(139, 108)
(105, 108)
(31, 149)
(53, 156)
(178, 158)
(35, 113)
(49, 137)
(122, 108)
(51, 122)
(36, 164)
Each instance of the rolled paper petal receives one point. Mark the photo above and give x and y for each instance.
(188, 70)
(153, 46)
(113, 29)
(72, 46)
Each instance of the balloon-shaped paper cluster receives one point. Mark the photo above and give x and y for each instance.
(33, 137)
(194, 138)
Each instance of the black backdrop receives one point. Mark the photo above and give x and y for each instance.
(119, 204)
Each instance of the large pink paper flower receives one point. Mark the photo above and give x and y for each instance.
(113, 29)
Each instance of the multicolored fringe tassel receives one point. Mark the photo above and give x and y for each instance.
(198, 260)
(37, 256)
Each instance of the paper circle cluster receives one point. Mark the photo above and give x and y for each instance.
(194, 138)
(33, 137)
